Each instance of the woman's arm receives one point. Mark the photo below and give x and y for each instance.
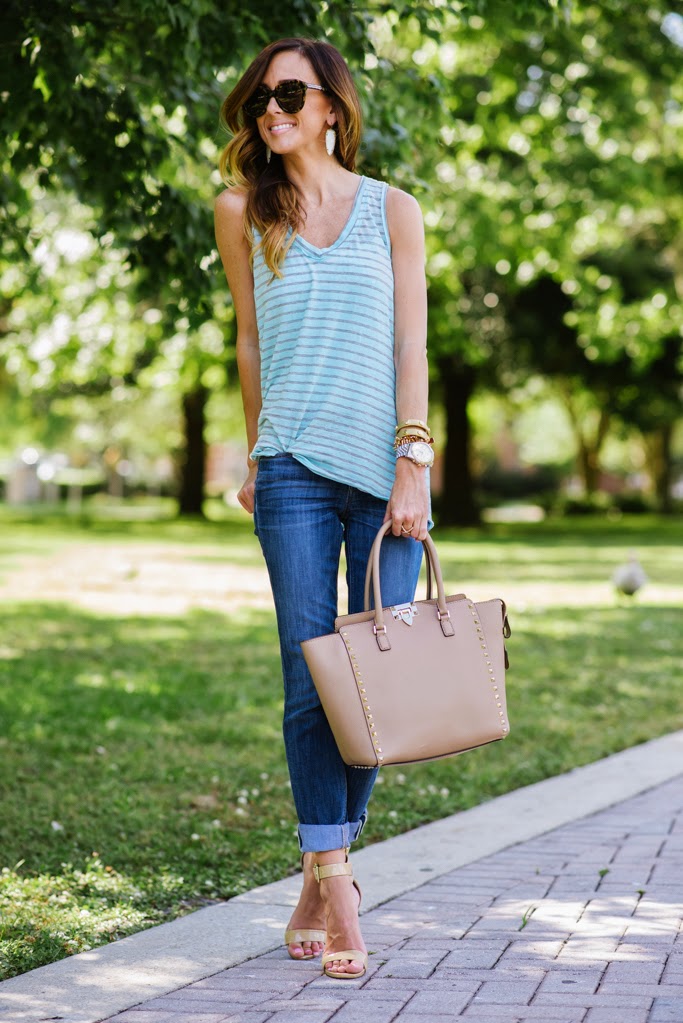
(409, 501)
(234, 251)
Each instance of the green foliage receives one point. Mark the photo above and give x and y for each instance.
(548, 156)
(554, 147)
(542, 137)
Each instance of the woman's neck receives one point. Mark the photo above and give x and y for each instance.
(318, 181)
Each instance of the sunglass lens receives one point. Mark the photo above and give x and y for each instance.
(290, 96)
(257, 103)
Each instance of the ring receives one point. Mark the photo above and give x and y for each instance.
(404, 530)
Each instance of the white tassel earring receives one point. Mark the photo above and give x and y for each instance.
(330, 141)
(268, 154)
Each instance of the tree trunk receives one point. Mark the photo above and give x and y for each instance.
(589, 440)
(660, 467)
(458, 506)
(193, 458)
(589, 465)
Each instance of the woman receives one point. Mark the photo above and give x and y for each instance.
(326, 271)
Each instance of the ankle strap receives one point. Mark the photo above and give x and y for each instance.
(331, 870)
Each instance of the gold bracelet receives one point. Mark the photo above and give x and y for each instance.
(412, 428)
(416, 434)
(411, 431)
(412, 439)
(413, 422)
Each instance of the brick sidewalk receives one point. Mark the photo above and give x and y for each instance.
(582, 925)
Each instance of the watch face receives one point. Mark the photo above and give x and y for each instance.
(422, 453)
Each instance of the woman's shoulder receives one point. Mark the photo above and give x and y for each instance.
(228, 215)
(397, 201)
(402, 203)
(231, 202)
(403, 212)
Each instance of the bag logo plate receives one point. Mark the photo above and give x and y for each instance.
(404, 612)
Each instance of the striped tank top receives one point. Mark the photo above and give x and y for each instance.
(326, 338)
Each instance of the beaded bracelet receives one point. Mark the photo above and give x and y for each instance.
(412, 439)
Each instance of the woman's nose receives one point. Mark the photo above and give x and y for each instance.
(273, 107)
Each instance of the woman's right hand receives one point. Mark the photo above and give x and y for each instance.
(245, 495)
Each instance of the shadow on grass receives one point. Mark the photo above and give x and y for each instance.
(148, 751)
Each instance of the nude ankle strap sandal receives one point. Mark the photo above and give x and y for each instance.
(297, 935)
(301, 934)
(350, 954)
(356, 954)
(321, 871)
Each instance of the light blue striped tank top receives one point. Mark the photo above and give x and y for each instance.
(326, 338)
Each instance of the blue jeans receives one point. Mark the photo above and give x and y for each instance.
(301, 519)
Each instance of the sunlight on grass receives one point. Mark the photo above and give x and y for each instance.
(48, 916)
(143, 752)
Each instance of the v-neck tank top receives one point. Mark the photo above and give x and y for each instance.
(326, 339)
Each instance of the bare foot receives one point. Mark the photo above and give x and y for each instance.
(308, 915)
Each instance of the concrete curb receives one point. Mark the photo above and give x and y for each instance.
(93, 985)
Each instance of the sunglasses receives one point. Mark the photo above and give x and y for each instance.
(290, 96)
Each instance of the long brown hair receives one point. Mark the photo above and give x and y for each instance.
(273, 202)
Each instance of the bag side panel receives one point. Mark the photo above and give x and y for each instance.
(491, 617)
(333, 674)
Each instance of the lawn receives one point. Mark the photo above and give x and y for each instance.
(140, 704)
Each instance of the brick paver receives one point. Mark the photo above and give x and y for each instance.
(581, 925)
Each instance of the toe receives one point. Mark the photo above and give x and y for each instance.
(345, 966)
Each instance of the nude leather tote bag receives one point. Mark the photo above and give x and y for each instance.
(413, 682)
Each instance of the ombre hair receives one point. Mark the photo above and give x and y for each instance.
(273, 201)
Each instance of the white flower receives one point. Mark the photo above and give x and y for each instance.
(56, 826)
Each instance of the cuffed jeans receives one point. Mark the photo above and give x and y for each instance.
(301, 519)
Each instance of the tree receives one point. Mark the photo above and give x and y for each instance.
(118, 104)
(523, 127)
(554, 141)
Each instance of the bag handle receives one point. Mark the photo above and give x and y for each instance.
(368, 574)
(372, 574)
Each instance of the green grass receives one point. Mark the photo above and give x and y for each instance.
(143, 770)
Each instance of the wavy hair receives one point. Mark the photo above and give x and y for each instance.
(273, 201)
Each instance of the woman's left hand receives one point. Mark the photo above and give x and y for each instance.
(408, 506)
